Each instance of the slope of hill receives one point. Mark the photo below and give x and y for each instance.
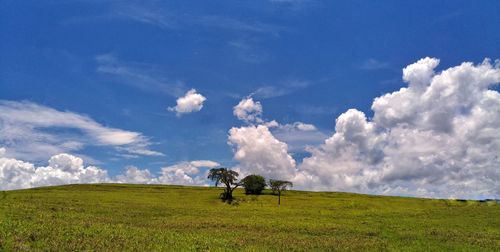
(151, 217)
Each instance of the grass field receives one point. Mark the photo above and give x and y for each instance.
(140, 217)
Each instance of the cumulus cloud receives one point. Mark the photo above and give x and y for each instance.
(134, 175)
(35, 132)
(62, 169)
(190, 102)
(262, 147)
(68, 169)
(183, 173)
(248, 111)
(258, 151)
(438, 137)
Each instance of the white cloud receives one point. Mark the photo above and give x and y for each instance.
(373, 64)
(34, 132)
(186, 173)
(248, 110)
(15, 174)
(190, 102)
(204, 163)
(258, 151)
(135, 175)
(178, 175)
(420, 73)
(62, 169)
(438, 137)
(296, 136)
(299, 126)
(182, 173)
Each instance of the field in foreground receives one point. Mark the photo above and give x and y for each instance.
(140, 217)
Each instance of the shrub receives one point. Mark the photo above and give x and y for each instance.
(254, 184)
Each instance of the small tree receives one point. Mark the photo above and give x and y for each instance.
(279, 186)
(254, 184)
(226, 177)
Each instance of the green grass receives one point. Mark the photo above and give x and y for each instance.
(175, 218)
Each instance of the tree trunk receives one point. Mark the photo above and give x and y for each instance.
(228, 193)
(279, 198)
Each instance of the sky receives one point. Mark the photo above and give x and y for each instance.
(379, 97)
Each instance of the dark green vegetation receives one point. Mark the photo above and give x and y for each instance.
(226, 177)
(253, 184)
(139, 217)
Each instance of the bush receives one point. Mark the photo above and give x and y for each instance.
(254, 184)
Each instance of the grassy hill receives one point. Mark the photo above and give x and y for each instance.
(148, 217)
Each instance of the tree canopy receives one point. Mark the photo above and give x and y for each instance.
(226, 177)
(279, 186)
(254, 184)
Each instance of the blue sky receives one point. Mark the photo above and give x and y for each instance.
(124, 63)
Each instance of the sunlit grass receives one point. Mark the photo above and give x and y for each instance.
(139, 217)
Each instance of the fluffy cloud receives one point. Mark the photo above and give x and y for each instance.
(298, 135)
(134, 175)
(258, 151)
(248, 111)
(35, 132)
(183, 173)
(262, 147)
(68, 169)
(438, 137)
(62, 169)
(190, 102)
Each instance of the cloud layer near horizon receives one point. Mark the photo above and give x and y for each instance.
(69, 169)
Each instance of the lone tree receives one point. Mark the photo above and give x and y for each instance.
(254, 184)
(227, 178)
(279, 186)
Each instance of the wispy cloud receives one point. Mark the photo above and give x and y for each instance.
(152, 16)
(246, 50)
(165, 18)
(374, 64)
(35, 132)
(282, 88)
(146, 77)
